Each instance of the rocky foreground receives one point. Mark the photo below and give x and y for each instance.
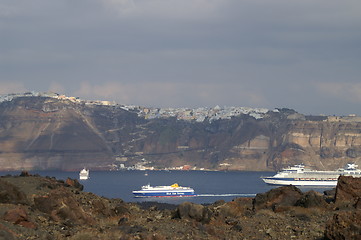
(34, 207)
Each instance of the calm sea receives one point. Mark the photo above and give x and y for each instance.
(208, 185)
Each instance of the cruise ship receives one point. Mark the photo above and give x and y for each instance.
(164, 191)
(298, 175)
(84, 174)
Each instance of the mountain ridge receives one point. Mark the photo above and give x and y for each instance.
(42, 131)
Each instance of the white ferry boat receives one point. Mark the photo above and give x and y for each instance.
(84, 174)
(164, 191)
(298, 175)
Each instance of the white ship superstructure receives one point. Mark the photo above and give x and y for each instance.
(298, 175)
(84, 174)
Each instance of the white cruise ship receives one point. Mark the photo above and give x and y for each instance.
(84, 174)
(298, 175)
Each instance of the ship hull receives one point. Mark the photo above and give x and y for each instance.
(163, 193)
(83, 177)
(291, 181)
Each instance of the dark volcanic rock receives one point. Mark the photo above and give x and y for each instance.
(330, 195)
(344, 225)
(101, 207)
(121, 209)
(348, 191)
(188, 210)
(74, 183)
(19, 216)
(24, 174)
(235, 208)
(278, 197)
(62, 205)
(312, 199)
(62, 211)
(358, 204)
(11, 194)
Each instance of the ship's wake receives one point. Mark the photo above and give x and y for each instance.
(227, 195)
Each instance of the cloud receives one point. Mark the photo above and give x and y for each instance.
(186, 52)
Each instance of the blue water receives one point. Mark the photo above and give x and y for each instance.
(209, 186)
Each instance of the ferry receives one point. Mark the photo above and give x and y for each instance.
(164, 191)
(298, 175)
(84, 174)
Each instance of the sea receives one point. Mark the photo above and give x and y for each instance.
(209, 186)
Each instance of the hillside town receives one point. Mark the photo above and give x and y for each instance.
(189, 114)
(200, 114)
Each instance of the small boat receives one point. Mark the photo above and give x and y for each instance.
(298, 175)
(164, 191)
(84, 174)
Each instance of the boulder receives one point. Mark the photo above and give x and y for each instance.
(348, 192)
(236, 208)
(358, 204)
(344, 225)
(61, 205)
(278, 197)
(74, 183)
(20, 217)
(188, 210)
(102, 207)
(329, 195)
(121, 209)
(312, 199)
(25, 174)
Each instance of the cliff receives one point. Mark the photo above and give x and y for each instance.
(52, 133)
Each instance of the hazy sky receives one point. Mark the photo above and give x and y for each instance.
(299, 54)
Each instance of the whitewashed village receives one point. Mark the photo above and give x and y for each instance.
(189, 114)
(197, 114)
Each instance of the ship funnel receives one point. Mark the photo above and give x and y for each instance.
(351, 166)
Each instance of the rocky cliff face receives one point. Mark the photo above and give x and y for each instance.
(40, 133)
(49, 133)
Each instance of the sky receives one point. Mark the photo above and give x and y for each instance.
(304, 55)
